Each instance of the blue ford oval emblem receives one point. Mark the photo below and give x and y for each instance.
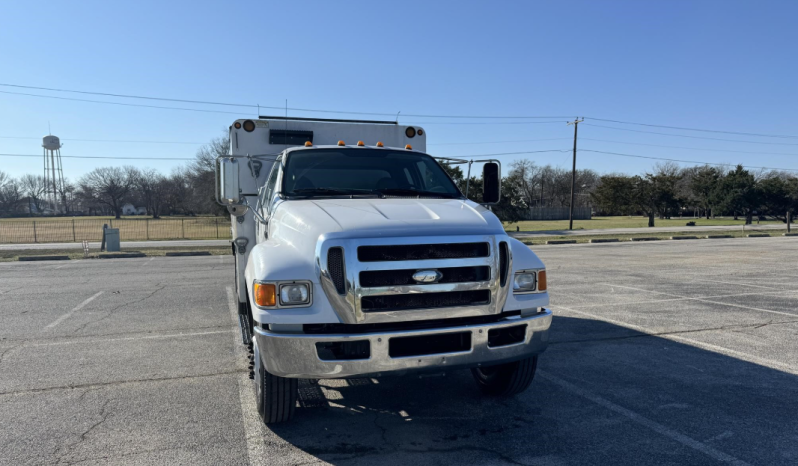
(427, 276)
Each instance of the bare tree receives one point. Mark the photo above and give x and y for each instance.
(151, 186)
(34, 188)
(10, 194)
(108, 186)
(200, 174)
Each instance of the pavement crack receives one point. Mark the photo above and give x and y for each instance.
(8, 351)
(121, 382)
(104, 413)
(110, 312)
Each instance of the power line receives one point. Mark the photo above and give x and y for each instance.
(203, 102)
(513, 153)
(688, 148)
(493, 142)
(100, 157)
(120, 103)
(681, 128)
(110, 140)
(692, 137)
(684, 161)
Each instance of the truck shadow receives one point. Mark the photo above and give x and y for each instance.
(736, 407)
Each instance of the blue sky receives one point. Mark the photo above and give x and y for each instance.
(726, 65)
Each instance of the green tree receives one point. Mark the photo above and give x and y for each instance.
(737, 193)
(704, 187)
(613, 195)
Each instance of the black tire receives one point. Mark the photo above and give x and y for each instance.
(506, 379)
(277, 397)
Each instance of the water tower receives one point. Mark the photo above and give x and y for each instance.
(53, 174)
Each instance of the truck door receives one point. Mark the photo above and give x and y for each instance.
(265, 204)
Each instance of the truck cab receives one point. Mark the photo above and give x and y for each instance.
(358, 256)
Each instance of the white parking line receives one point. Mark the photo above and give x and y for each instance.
(74, 309)
(704, 300)
(684, 298)
(146, 337)
(644, 421)
(699, 344)
(253, 426)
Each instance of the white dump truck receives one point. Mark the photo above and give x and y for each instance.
(356, 255)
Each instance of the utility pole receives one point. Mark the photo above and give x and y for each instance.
(573, 175)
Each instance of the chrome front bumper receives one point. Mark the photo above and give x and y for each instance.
(296, 356)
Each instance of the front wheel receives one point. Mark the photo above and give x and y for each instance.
(506, 379)
(276, 396)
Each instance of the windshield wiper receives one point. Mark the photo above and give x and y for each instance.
(328, 192)
(414, 192)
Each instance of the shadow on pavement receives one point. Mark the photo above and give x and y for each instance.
(716, 405)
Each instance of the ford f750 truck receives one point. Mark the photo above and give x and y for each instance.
(356, 255)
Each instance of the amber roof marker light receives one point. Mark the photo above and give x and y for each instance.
(249, 126)
(308, 144)
(409, 147)
(341, 143)
(361, 144)
(380, 144)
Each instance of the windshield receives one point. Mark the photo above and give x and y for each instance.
(330, 172)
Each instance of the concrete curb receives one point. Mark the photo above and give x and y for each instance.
(758, 235)
(645, 239)
(561, 241)
(187, 253)
(718, 236)
(684, 237)
(43, 258)
(789, 234)
(605, 240)
(122, 255)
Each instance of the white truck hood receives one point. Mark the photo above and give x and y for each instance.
(385, 217)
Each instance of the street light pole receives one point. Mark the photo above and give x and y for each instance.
(573, 175)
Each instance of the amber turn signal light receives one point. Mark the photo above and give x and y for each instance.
(542, 280)
(265, 295)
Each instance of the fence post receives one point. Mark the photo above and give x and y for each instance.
(183, 228)
(789, 220)
(112, 223)
(73, 231)
(148, 228)
(217, 228)
(35, 240)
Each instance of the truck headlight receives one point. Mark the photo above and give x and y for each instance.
(529, 281)
(294, 294)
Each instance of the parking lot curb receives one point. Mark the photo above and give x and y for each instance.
(43, 258)
(122, 255)
(789, 234)
(645, 239)
(561, 241)
(758, 235)
(718, 236)
(684, 237)
(605, 240)
(188, 253)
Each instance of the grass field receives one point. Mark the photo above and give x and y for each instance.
(13, 255)
(600, 223)
(702, 235)
(68, 229)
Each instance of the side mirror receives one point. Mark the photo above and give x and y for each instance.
(228, 191)
(491, 183)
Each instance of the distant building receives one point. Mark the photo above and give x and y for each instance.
(130, 209)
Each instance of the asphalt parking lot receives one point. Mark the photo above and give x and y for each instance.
(662, 353)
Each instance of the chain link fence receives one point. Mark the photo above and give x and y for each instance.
(76, 230)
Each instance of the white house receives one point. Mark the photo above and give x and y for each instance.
(130, 209)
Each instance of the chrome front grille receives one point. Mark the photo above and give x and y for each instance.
(370, 280)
